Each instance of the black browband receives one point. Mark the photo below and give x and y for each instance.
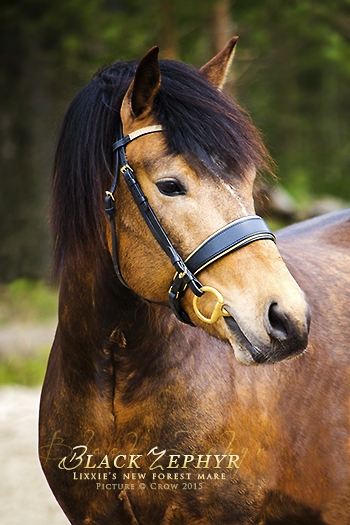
(235, 235)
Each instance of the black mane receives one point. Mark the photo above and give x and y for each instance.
(201, 123)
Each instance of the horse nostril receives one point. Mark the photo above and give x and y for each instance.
(279, 323)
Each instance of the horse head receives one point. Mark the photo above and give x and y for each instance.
(194, 194)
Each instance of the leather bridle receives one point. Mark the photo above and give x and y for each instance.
(233, 236)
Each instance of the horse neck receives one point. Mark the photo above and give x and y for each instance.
(102, 321)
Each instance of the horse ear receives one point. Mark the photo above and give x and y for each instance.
(139, 98)
(217, 69)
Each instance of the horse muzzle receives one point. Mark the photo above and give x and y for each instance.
(287, 338)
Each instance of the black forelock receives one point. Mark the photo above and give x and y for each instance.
(204, 124)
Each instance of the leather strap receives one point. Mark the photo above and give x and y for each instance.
(156, 228)
(122, 166)
(232, 237)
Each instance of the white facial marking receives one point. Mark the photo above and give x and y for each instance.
(237, 197)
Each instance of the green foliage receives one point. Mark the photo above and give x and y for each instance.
(25, 300)
(291, 71)
(27, 371)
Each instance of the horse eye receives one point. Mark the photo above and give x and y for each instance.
(171, 187)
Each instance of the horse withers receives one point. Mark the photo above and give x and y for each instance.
(148, 412)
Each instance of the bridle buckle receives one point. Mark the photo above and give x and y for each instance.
(125, 168)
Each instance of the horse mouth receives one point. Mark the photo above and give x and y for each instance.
(249, 354)
(257, 356)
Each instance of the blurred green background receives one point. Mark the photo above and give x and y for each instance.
(291, 72)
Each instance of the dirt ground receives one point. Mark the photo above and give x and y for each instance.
(25, 498)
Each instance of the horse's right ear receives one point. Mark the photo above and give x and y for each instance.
(139, 98)
(217, 69)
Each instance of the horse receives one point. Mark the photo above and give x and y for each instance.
(186, 384)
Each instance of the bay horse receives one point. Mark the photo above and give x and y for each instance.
(185, 384)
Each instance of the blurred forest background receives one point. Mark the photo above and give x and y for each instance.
(291, 71)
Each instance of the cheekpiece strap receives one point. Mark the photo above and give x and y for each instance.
(122, 166)
(120, 161)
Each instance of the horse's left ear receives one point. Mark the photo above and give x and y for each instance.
(217, 69)
(139, 98)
